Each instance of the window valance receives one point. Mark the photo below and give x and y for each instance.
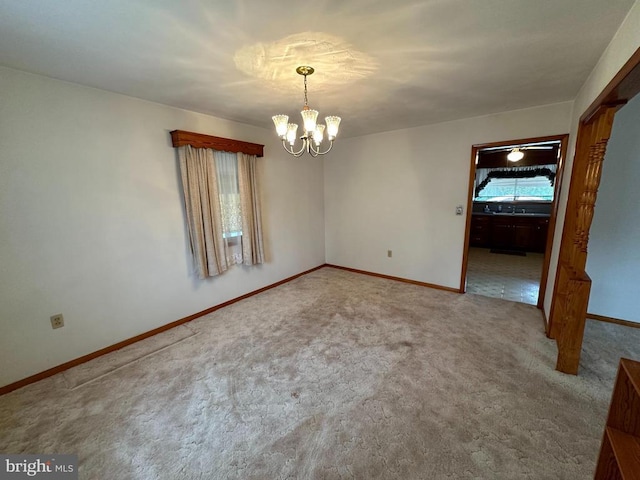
(484, 176)
(199, 140)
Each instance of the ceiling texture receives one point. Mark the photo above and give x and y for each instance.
(380, 65)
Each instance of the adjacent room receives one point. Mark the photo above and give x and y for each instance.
(198, 281)
(514, 196)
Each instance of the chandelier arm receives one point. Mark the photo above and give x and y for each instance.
(312, 151)
(318, 152)
(291, 151)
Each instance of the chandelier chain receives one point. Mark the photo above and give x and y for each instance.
(305, 92)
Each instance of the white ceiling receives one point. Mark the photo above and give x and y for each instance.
(380, 65)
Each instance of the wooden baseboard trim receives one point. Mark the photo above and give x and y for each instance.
(117, 346)
(398, 279)
(617, 321)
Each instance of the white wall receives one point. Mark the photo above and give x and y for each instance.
(624, 43)
(613, 262)
(91, 220)
(399, 190)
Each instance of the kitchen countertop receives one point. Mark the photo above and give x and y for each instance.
(505, 214)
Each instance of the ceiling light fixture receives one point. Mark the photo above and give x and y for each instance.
(515, 155)
(313, 133)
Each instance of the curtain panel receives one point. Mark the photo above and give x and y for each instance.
(222, 208)
(252, 243)
(202, 206)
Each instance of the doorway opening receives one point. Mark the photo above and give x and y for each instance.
(511, 213)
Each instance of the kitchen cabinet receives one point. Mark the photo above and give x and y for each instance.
(502, 233)
(509, 232)
(541, 228)
(513, 233)
(480, 231)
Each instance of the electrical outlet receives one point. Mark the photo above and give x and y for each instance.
(57, 321)
(389, 253)
(459, 210)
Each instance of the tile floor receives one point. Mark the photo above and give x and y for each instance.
(510, 277)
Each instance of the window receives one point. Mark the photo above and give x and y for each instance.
(229, 194)
(509, 189)
(222, 208)
(230, 205)
(513, 184)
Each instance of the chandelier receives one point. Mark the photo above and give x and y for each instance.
(312, 132)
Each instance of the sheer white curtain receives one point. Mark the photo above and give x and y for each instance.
(230, 207)
(222, 205)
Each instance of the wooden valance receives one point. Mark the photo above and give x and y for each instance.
(199, 140)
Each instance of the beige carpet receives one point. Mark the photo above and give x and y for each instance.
(335, 376)
(107, 364)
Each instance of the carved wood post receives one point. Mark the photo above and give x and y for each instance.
(573, 285)
(587, 203)
(574, 305)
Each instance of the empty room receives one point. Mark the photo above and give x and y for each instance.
(250, 240)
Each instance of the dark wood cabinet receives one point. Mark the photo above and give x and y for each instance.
(541, 228)
(502, 233)
(480, 231)
(523, 235)
(509, 232)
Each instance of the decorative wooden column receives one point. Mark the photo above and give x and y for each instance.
(571, 314)
(573, 285)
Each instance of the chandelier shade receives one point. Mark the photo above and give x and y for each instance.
(309, 118)
(292, 133)
(333, 123)
(281, 122)
(312, 132)
(318, 134)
